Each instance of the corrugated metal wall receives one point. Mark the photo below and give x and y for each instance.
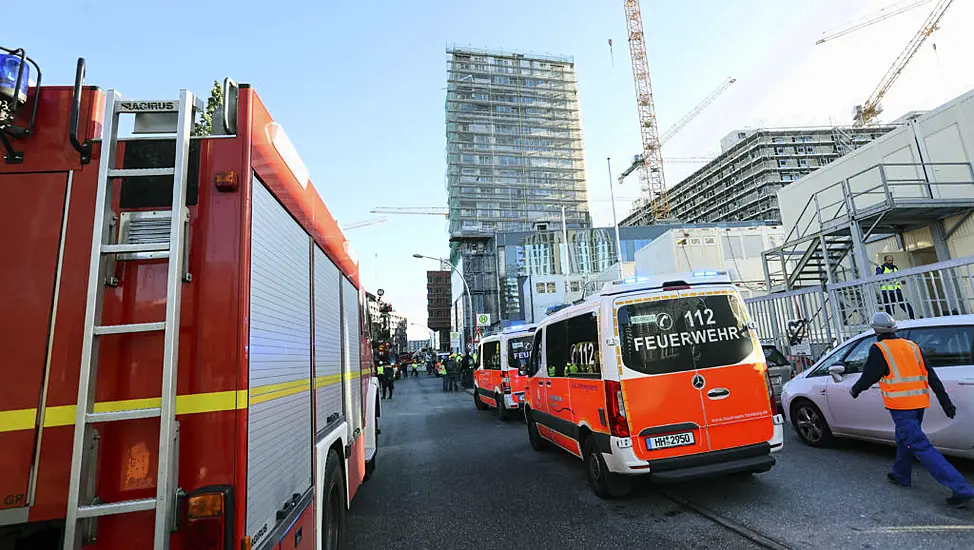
(279, 431)
(328, 342)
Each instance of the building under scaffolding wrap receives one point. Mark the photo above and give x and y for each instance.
(514, 156)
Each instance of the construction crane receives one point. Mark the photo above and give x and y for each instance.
(416, 210)
(365, 223)
(680, 124)
(650, 167)
(868, 111)
(675, 129)
(871, 19)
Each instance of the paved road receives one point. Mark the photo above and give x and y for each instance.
(449, 476)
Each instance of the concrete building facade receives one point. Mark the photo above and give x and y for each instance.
(741, 184)
(514, 156)
(438, 305)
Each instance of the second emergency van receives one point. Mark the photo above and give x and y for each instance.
(497, 380)
(660, 376)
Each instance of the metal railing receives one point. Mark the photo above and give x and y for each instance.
(881, 185)
(842, 310)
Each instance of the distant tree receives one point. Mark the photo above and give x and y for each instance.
(205, 125)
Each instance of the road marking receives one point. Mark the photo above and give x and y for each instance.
(917, 529)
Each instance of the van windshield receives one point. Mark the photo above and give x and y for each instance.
(519, 351)
(684, 333)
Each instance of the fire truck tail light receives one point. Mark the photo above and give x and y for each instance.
(226, 181)
(209, 518)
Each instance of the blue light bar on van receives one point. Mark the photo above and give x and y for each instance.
(708, 273)
(632, 280)
(10, 67)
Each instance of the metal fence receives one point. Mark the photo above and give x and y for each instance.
(804, 324)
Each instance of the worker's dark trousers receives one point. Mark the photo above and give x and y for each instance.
(912, 443)
(388, 386)
(446, 382)
(895, 297)
(453, 381)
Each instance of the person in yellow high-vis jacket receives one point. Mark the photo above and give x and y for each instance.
(892, 290)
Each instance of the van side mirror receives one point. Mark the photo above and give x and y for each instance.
(836, 372)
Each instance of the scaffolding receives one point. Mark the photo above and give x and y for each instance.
(514, 142)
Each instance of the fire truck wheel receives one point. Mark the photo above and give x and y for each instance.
(501, 410)
(481, 406)
(537, 442)
(333, 515)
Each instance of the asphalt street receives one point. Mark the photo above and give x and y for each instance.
(449, 476)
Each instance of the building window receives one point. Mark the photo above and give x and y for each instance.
(779, 150)
(802, 162)
(551, 288)
(741, 135)
(782, 163)
(539, 288)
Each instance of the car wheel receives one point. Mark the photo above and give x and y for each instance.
(810, 424)
(604, 483)
(481, 406)
(501, 411)
(538, 443)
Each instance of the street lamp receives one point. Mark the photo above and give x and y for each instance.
(467, 288)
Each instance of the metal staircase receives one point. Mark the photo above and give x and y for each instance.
(172, 117)
(827, 242)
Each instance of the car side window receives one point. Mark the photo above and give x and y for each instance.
(492, 355)
(582, 336)
(856, 359)
(823, 368)
(945, 346)
(556, 349)
(534, 364)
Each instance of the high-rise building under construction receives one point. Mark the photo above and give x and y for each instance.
(514, 156)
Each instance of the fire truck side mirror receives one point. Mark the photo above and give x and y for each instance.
(231, 95)
(79, 83)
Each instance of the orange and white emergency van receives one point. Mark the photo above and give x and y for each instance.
(660, 376)
(498, 382)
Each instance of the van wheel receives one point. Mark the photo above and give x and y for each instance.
(538, 443)
(501, 411)
(481, 406)
(604, 483)
(333, 510)
(810, 424)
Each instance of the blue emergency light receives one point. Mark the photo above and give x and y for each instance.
(10, 68)
(707, 273)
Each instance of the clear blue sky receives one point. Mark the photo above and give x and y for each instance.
(359, 86)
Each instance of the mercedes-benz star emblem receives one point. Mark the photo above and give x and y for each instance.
(664, 321)
(698, 382)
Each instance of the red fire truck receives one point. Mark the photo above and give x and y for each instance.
(186, 356)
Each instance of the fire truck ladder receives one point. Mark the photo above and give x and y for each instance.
(83, 506)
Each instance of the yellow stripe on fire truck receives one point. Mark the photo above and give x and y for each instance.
(64, 415)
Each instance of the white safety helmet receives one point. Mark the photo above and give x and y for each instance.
(883, 323)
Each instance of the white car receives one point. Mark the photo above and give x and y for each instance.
(818, 404)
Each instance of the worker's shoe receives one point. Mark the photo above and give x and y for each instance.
(895, 481)
(959, 501)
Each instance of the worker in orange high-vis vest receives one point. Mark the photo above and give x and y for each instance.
(905, 382)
